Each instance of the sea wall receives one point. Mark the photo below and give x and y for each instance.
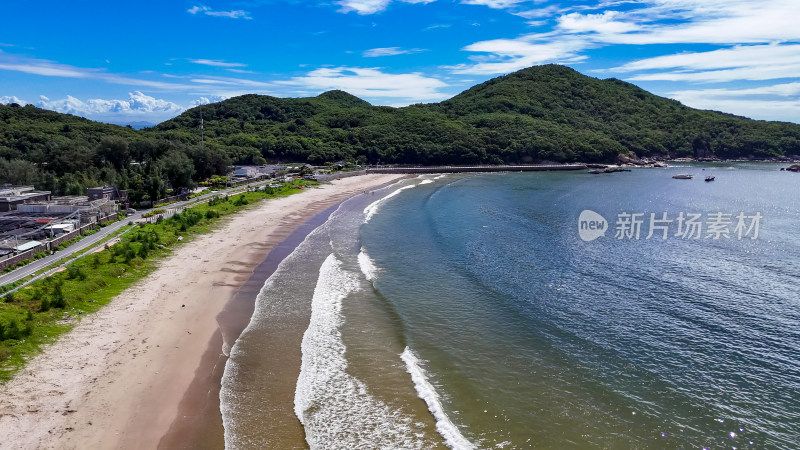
(479, 168)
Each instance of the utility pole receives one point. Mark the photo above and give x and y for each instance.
(202, 131)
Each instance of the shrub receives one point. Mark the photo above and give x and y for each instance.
(240, 201)
(58, 297)
(217, 200)
(73, 272)
(13, 331)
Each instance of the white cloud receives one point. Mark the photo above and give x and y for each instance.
(138, 107)
(8, 99)
(688, 21)
(509, 55)
(604, 23)
(216, 63)
(238, 14)
(240, 82)
(753, 73)
(495, 4)
(538, 13)
(738, 56)
(437, 26)
(45, 68)
(206, 85)
(742, 62)
(372, 83)
(389, 51)
(780, 90)
(239, 71)
(716, 22)
(235, 14)
(365, 7)
(51, 69)
(211, 81)
(719, 21)
(208, 100)
(137, 103)
(776, 102)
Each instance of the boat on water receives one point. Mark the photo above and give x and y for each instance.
(683, 176)
(710, 178)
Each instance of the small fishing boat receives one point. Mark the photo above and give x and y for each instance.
(710, 178)
(683, 176)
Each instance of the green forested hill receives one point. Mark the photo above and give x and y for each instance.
(572, 115)
(65, 154)
(544, 113)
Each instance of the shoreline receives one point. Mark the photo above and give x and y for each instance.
(199, 421)
(125, 375)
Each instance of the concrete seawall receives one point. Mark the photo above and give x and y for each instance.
(466, 169)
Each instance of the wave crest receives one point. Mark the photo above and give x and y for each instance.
(449, 431)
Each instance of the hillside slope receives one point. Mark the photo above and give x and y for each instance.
(543, 113)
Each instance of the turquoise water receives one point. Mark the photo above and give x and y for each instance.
(477, 295)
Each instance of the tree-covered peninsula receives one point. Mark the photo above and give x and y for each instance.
(545, 113)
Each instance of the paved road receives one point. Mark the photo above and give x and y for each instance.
(92, 241)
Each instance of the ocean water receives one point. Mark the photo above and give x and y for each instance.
(467, 312)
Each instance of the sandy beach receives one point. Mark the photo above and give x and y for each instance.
(126, 376)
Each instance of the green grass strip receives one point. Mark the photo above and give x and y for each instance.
(42, 311)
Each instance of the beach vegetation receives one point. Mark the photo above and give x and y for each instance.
(153, 213)
(42, 311)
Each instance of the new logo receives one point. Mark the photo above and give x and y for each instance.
(591, 225)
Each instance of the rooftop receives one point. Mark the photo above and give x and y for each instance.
(10, 193)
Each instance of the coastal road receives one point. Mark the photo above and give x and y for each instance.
(92, 240)
(84, 243)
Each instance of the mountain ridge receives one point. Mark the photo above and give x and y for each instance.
(544, 113)
(519, 117)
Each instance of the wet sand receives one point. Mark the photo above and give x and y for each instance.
(145, 370)
(199, 423)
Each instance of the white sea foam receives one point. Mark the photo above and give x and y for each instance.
(231, 408)
(372, 208)
(336, 408)
(449, 431)
(425, 182)
(440, 176)
(367, 265)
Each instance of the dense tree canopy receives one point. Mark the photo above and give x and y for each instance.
(544, 113)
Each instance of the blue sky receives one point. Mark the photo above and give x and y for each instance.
(124, 62)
